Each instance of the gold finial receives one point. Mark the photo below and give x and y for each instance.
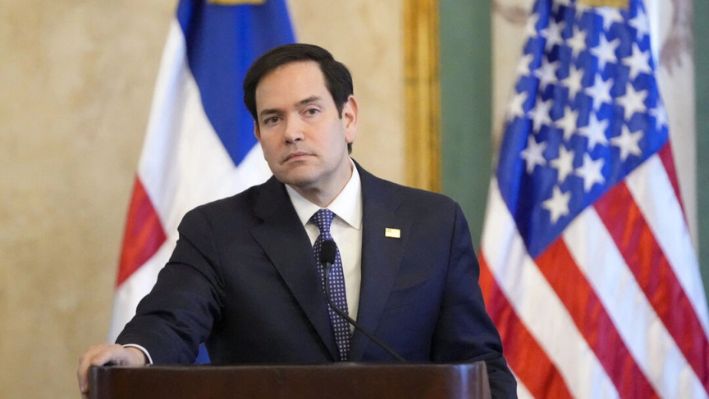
(605, 3)
(236, 2)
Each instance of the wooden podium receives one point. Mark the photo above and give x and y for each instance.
(336, 380)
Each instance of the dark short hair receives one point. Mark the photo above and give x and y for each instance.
(337, 77)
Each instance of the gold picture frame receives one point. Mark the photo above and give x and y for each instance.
(422, 94)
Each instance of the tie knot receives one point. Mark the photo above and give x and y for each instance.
(323, 219)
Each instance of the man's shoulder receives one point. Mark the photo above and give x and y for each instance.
(407, 195)
(237, 205)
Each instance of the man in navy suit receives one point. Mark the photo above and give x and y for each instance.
(244, 277)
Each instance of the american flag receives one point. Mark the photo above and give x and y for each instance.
(199, 144)
(587, 263)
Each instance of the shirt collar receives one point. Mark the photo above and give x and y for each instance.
(347, 205)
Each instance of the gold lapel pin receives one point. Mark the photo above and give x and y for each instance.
(392, 233)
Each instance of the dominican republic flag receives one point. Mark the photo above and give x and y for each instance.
(587, 265)
(199, 144)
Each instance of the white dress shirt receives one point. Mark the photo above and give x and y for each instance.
(346, 231)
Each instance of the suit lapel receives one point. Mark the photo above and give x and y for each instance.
(285, 242)
(381, 256)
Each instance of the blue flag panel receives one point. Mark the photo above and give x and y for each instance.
(222, 42)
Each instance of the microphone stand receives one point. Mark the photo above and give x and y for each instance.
(327, 265)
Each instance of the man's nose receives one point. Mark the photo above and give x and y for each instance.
(294, 129)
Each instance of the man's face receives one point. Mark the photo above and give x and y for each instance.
(304, 139)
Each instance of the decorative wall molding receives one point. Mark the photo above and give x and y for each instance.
(422, 94)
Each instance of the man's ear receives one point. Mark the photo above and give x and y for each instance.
(349, 118)
(257, 132)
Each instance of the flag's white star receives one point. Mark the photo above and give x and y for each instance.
(605, 51)
(660, 116)
(531, 28)
(639, 61)
(632, 101)
(558, 204)
(574, 81)
(639, 22)
(628, 143)
(516, 106)
(553, 35)
(540, 114)
(600, 92)
(609, 15)
(590, 172)
(567, 123)
(564, 163)
(547, 73)
(534, 154)
(577, 42)
(595, 132)
(523, 66)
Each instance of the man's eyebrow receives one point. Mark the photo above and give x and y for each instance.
(269, 111)
(309, 100)
(276, 111)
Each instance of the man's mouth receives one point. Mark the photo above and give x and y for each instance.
(296, 155)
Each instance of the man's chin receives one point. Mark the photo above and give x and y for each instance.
(298, 179)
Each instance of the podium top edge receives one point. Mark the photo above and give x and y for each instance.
(256, 366)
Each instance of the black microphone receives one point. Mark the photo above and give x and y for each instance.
(328, 253)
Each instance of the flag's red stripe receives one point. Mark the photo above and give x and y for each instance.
(668, 162)
(651, 268)
(592, 320)
(526, 358)
(143, 236)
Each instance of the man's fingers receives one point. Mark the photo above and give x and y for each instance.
(98, 355)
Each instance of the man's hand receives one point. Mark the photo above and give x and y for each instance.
(103, 354)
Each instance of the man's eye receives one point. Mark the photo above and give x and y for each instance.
(312, 111)
(270, 120)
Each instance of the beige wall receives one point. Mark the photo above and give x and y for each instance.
(367, 36)
(76, 80)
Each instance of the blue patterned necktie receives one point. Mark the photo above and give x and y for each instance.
(340, 327)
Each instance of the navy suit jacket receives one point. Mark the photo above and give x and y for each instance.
(242, 279)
